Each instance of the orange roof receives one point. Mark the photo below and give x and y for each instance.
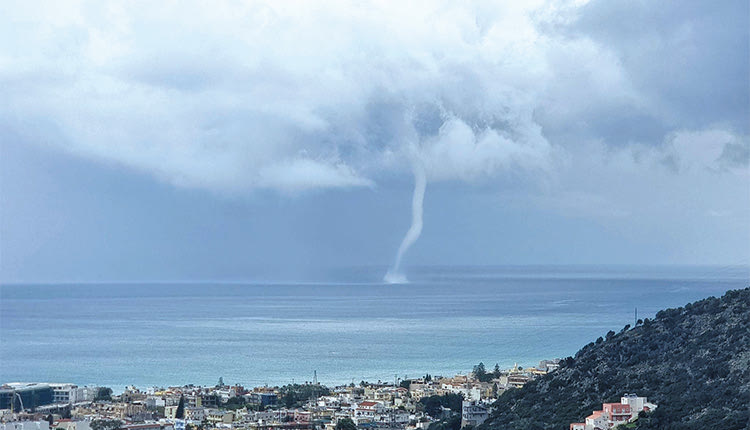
(625, 408)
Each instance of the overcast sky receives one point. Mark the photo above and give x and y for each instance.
(238, 140)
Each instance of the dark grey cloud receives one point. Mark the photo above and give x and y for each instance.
(735, 155)
(688, 61)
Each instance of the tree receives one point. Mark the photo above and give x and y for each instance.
(234, 403)
(180, 413)
(103, 394)
(453, 423)
(684, 360)
(346, 423)
(433, 405)
(105, 424)
(294, 395)
(480, 372)
(221, 381)
(496, 372)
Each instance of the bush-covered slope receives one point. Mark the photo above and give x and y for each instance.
(694, 362)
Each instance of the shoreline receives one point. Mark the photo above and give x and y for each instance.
(119, 389)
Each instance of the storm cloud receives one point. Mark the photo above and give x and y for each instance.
(565, 98)
(299, 95)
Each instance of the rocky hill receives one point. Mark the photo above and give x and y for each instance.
(693, 361)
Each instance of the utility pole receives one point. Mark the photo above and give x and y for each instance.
(315, 399)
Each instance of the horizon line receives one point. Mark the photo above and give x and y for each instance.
(275, 280)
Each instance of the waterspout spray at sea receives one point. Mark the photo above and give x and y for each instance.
(394, 274)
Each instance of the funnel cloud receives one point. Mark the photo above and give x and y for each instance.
(394, 274)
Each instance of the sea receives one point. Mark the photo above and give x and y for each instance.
(345, 327)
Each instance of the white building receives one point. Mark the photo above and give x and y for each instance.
(25, 425)
(469, 391)
(637, 404)
(68, 393)
(217, 416)
(154, 402)
(473, 413)
(226, 393)
(367, 411)
(194, 413)
(597, 420)
(67, 424)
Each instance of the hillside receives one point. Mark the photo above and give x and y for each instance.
(693, 361)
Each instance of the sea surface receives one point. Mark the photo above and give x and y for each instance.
(349, 327)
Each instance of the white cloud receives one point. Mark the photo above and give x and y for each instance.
(458, 152)
(701, 149)
(244, 95)
(299, 95)
(303, 174)
(668, 189)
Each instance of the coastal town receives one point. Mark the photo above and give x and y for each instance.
(413, 403)
(462, 401)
